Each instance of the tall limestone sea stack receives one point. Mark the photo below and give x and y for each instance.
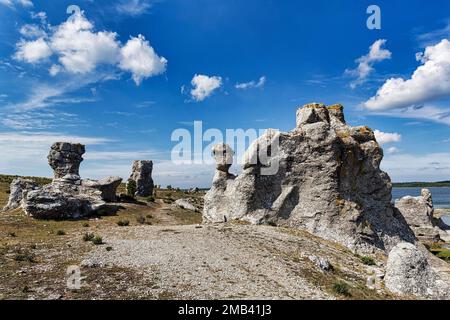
(328, 181)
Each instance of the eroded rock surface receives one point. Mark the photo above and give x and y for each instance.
(18, 190)
(65, 159)
(328, 181)
(107, 186)
(409, 273)
(141, 174)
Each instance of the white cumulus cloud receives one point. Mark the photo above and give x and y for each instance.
(252, 84)
(387, 137)
(365, 63)
(80, 49)
(138, 57)
(429, 82)
(203, 86)
(33, 51)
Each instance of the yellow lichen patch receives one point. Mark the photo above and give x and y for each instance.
(343, 134)
(365, 130)
(314, 105)
(338, 106)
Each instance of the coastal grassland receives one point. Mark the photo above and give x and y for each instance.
(35, 254)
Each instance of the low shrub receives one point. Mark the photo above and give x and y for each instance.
(368, 260)
(97, 240)
(341, 288)
(88, 237)
(60, 233)
(123, 223)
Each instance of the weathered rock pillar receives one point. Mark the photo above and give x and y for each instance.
(65, 159)
(141, 174)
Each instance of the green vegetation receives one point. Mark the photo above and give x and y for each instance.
(123, 223)
(24, 256)
(341, 288)
(88, 237)
(141, 219)
(60, 233)
(131, 188)
(97, 240)
(421, 184)
(368, 260)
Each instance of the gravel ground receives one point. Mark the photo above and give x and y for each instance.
(228, 261)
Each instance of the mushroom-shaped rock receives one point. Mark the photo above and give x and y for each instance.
(65, 197)
(409, 273)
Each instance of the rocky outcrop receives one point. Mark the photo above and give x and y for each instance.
(418, 213)
(69, 197)
(409, 273)
(141, 174)
(62, 200)
(107, 186)
(18, 191)
(323, 176)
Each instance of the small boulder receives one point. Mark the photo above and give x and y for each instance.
(322, 263)
(186, 204)
(409, 273)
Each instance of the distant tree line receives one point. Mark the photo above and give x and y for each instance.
(421, 184)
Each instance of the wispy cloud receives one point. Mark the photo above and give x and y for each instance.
(415, 167)
(434, 36)
(252, 84)
(365, 63)
(424, 113)
(14, 3)
(134, 7)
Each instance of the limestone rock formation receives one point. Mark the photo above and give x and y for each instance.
(418, 213)
(63, 200)
(68, 196)
(141, 174)
(107, 186)
(409, 273)
(323, 176)
(18, 190)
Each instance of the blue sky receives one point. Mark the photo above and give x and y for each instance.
(121, 77)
